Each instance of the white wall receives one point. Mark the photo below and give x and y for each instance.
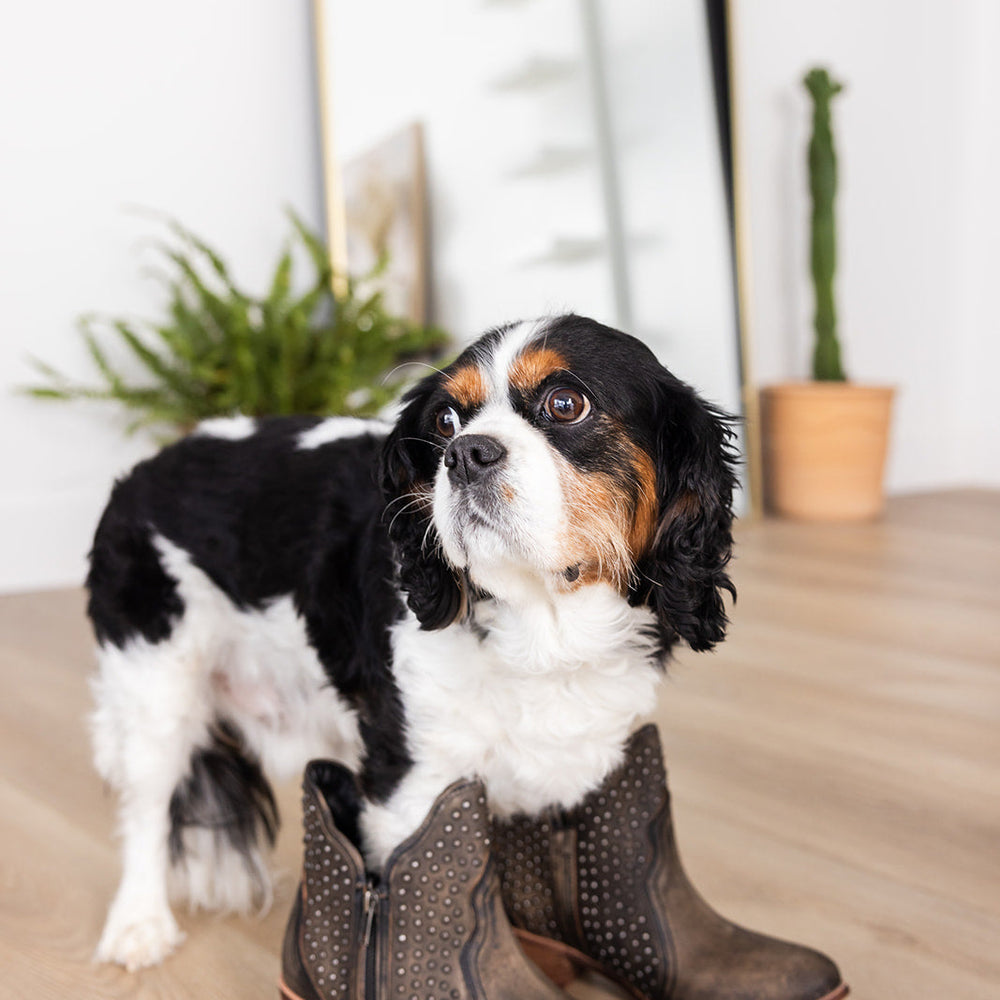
(919, 150)
(201, 110)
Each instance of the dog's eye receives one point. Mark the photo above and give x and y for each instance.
(447, 422)
(567, 406)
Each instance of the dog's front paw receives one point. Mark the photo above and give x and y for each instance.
(137, 941)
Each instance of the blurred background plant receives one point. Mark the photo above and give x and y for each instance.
(332, 349)
(827, 366)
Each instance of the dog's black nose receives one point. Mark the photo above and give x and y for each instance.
(469, 456)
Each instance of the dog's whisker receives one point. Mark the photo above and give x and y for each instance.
(399, 513)
(413, 504)
(423, 541)
(408, 496)
(420, 440)
(578, 379)
(407, 364)
(408, 499)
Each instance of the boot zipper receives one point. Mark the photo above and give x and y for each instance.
(563, 849)
(370, 911)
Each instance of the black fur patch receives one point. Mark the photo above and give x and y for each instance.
(409, 463)
(349, 604)
(225, 792)
(130, 593)
(339, 788)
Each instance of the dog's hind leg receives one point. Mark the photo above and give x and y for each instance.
(148, 720)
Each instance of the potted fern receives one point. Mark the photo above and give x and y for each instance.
(825, 441)
(219, 350)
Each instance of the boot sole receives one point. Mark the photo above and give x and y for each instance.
(562, 964)
(286, 993)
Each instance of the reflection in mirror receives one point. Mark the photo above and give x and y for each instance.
(572, 159)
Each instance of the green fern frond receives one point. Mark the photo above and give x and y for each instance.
(220, 350)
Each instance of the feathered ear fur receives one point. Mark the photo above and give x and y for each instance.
(408, 464)
(683, 574)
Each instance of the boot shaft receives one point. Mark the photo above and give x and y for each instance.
(324, 954)
(582, 877)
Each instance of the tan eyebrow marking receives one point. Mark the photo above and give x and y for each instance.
(530, 368)
(467, 386)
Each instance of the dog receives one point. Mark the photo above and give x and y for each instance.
(489, 586)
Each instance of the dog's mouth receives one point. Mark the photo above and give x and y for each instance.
(481, 509)
(474, 519)
(477, 527)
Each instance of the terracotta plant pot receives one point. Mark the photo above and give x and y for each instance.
(825, 445)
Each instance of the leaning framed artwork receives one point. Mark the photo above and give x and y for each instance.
(384, 215)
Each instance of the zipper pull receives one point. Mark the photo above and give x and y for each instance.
(370, 909)
(558, 819)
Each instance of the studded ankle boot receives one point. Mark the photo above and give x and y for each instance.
(431, 926)
(602, 887)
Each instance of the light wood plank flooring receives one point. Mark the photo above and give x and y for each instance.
(835, 768)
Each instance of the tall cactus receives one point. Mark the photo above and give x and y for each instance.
(823, 186)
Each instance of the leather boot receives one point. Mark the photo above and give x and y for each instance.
(601, 887)
(432, 925)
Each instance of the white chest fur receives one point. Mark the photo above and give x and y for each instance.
(538, 703)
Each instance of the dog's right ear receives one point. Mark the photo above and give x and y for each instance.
(408, 465)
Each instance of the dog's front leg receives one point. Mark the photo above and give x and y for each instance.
(385, 825)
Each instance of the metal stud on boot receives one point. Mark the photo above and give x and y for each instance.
(602, 887)
(431, 927)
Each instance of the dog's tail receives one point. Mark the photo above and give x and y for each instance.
(223, 820)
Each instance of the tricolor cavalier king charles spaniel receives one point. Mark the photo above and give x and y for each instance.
(488, 587)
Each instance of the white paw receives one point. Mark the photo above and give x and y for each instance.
(138, 941)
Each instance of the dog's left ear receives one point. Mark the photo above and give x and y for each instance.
(407, 469)
(683, 574)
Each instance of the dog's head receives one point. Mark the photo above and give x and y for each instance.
(557, 455)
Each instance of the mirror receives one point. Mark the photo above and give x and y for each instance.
(575, 156)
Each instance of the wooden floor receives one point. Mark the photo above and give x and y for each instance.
(835, 768)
